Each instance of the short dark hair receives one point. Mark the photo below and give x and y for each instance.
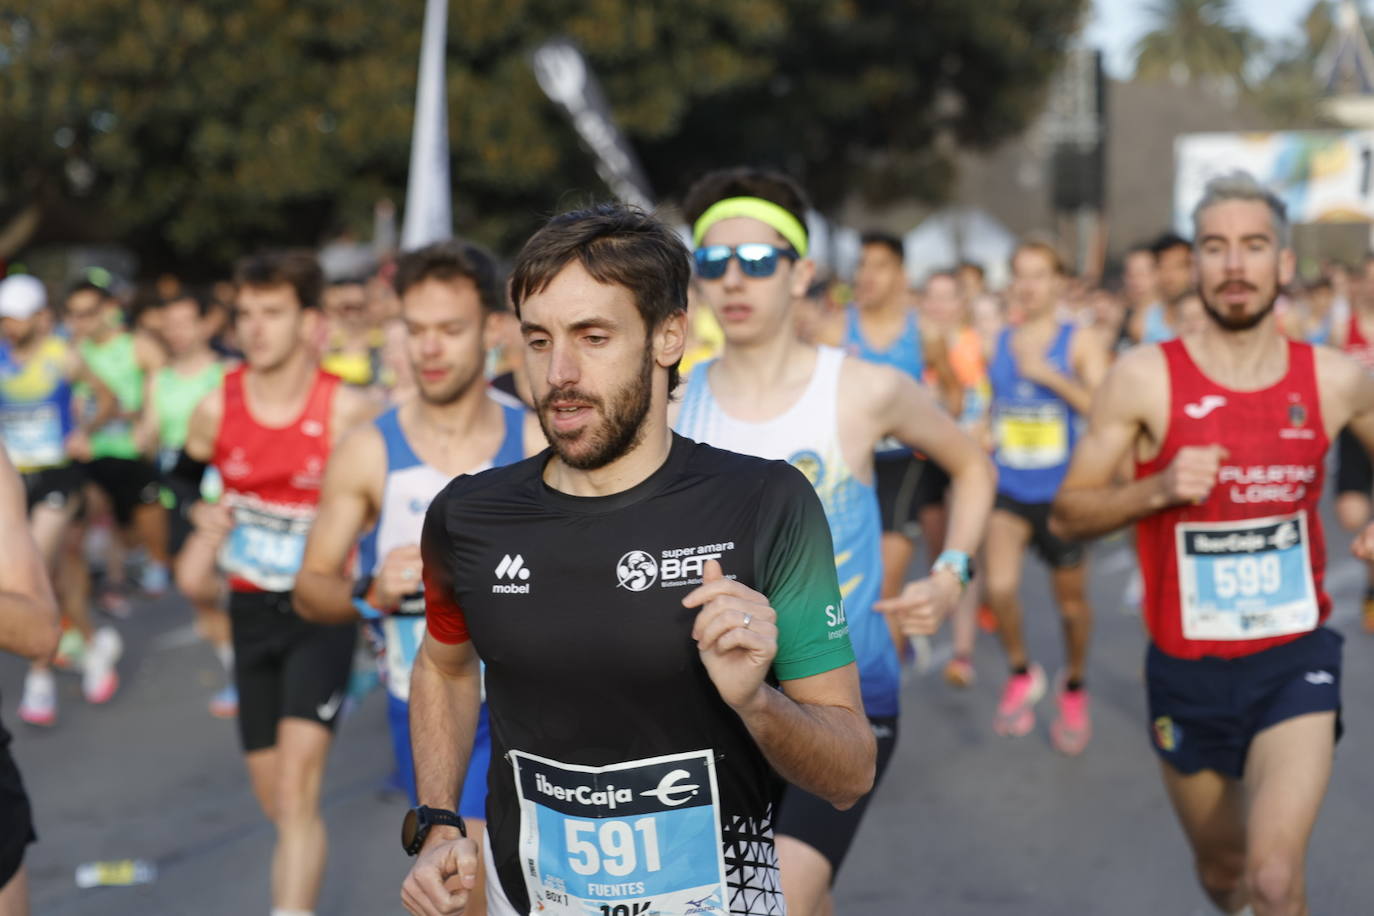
(973, 266)
(1167, 242)
(294, 267)
(745, 181)
(886, 239)
(450, 260)
(615, 244)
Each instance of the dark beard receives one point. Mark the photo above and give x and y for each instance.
(1244, 323)
(622, 429)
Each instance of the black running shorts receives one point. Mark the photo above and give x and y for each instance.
(53, 487)
(16, 820)
(1353, 471)
(817, 823)
(285, 666)
(1055, 551)
(1204, 713)
(129, 482)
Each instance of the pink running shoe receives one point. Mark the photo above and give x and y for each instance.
(1016, 711)
(1073, 728)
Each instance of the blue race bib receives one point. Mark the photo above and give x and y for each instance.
(631, 839)
(1248, 579)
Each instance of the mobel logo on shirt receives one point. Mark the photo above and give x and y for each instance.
(513, 569)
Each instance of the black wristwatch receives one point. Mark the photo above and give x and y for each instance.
(415, 827)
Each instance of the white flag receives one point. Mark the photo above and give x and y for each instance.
(429, 208)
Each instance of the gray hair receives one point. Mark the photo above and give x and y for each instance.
(1241, 185)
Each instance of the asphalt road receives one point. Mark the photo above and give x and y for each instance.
(964, 823)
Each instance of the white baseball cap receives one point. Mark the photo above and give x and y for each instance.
(22, 296)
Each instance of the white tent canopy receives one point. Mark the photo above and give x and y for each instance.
(957, 234)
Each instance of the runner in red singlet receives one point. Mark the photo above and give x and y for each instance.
(1354, 473)
(268, 430)
(1229, 427)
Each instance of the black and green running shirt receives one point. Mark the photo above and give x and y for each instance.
(620, 782)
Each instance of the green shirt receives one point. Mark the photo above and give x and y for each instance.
(115, 363)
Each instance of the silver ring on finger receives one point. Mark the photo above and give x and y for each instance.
(408, 574)
(748, 618)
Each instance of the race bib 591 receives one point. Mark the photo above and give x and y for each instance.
(631, 839)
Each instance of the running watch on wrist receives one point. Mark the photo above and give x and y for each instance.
(957, 562)
(418, 821)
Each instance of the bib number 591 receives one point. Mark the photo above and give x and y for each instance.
(611, 846)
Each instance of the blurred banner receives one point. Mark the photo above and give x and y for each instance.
(1322, 176)
(429, 204)
(562, 73)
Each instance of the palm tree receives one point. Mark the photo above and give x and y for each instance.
(1194, 41)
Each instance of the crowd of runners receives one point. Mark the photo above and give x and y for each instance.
(629, 532)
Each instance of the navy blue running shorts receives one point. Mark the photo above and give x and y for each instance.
(1205, 712)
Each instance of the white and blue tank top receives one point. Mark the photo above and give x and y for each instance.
(807, 436)
(410, 487)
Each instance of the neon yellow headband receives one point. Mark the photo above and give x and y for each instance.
(765, 211)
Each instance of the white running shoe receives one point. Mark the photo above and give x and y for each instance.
(38, 706)
(100, 680)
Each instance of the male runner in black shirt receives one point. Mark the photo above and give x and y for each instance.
(661, 624)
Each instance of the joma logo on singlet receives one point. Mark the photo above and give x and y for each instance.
(512, 568)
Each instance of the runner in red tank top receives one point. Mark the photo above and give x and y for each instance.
(1354, 473)
(269, 429)
(1229, 427)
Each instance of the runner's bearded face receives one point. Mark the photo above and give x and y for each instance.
(753, 309)
(446, 340)
(591, 367)
(271, 325)
(1240, 264)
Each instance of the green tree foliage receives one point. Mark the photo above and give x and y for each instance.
(1192, 41)
(194, 130)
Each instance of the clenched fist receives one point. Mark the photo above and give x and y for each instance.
(1192, 474)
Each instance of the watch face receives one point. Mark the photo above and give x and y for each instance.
(409, 828)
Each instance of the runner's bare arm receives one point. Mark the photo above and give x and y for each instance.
(349, 498)
(815, 734)
(106, 405)
(203, 428)
(445, 695)
(906, 411)
(28, 610)
(1131, 402)
(445, 698)
(145, 431)
(195, 564)
(813, 731)
(1347, 400)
